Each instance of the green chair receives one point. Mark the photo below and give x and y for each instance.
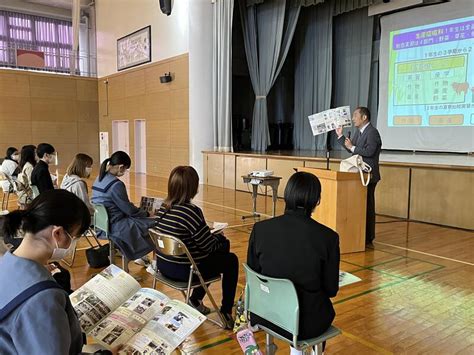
(276, 301)
(101, 222)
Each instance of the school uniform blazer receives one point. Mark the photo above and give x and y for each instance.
(41, 178)
(296, 247)
(368, 145)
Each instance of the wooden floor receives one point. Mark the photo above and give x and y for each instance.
(416, 295)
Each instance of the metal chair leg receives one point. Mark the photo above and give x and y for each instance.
(111, 252)
(270, 346)
(214, 304)
(190, 281)
(125, 264)
(318, 349)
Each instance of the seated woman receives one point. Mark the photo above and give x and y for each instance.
(79, 169)
(51, 230)
(296, 247)
(128, 224)
(180, 218)
(9, 168)
(23, 182)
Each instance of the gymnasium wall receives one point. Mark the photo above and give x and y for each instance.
(61, 110)
(138, 94)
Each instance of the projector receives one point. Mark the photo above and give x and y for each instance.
(261, 173)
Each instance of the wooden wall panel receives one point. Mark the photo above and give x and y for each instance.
(52, 86)
(15, 108)
(88, 111)
(215, 167)
(138, 94)
(245, 165)
(443, 197)
(229, 172)
(87, 90)
(391, 193)
(53, 109)
(13, 84)
(61, 110)
(283, 168)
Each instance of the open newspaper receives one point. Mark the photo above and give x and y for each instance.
(114, 310)
(329, 120)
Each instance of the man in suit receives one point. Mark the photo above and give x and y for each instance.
(368, 144)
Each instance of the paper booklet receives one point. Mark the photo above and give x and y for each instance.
(114, 310)
(346, 279)
(218, 227)
(330, 119)
(151, 204)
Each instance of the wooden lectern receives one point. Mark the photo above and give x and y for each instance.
(342, 207)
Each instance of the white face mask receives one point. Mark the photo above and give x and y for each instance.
(88, 171)
(15, 157)
(61, 253)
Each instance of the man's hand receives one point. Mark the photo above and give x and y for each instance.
(348, 143)
(339, 131)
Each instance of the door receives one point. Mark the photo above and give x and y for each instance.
(120, 136)
(140, 146)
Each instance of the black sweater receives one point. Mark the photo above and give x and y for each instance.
(298, 248)
(41, 178)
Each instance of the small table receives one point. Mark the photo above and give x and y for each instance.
(255, 181)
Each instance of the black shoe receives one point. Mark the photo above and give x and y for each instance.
(229, 321)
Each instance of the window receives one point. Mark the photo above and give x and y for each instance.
(22, 31)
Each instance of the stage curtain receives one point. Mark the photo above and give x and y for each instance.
(340, 6)
(313, 73)
(268, 30)
(222, 74)
(352, 51)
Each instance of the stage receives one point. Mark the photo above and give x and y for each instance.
(427, 187)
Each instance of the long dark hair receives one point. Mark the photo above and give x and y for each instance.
(302, 192)
(118, 158)
(183, 185)
(28, 155)
(10, 151)
(51, 208)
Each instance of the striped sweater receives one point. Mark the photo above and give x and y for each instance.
(187, 223)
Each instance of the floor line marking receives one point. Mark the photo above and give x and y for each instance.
(428, 254)
(366, 343)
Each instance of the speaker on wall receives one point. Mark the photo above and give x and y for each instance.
(165, 6)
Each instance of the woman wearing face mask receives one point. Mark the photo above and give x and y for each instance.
(128, 224)
(23, 183)
(9, 167)
(40, 177)
(79, 169)
(43, 320)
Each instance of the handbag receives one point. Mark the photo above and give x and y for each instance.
(98, 256)
(356, 164)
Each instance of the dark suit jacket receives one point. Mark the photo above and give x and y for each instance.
(41, 178)
(368, 146)
(298, 248)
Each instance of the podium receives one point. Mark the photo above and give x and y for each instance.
(342, 207)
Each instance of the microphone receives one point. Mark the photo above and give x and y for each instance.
(349, 134)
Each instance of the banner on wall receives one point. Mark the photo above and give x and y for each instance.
(103, 145)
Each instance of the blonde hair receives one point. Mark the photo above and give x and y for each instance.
(79, 164)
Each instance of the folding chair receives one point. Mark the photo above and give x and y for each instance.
(88, 233)
(276, 301)
(101, 222)
(172, 246)
(7, 192)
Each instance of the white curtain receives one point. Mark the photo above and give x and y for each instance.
(222, 74)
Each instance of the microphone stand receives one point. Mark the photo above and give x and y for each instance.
(327, 158)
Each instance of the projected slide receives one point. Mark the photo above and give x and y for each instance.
(431, 75)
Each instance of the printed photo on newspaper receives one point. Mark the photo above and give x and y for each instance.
(114, 310)
(329, 120)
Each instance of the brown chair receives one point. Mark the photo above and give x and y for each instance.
(172, 246)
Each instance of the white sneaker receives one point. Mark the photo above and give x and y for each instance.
(151, 269)
(143, 261)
